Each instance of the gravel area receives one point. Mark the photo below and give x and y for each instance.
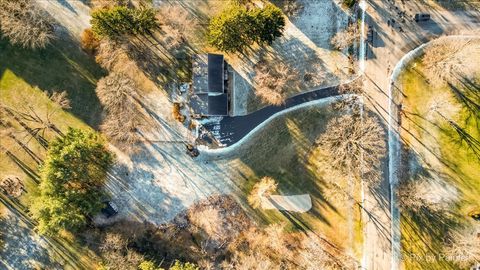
(161, 180)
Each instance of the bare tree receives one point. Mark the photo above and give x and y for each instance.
(442, 107)
(266, 248)
(425, 192)
(124, 115)
(463, 246)
(107, 3)
(271, 83)
(345, 38)
(25, 24)
(316, 254)
(115, 251)
(36, 122)
(177, 23)
(446, 58)
(292, 7)
(261, 190)
(354, 145)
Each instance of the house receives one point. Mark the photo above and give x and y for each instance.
(209, 94)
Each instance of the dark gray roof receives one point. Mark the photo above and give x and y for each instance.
(215, 73)
(208, 73)
(199, 103)
(218, 104)
(200, 73)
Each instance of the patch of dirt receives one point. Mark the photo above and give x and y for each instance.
(305, 48)
(72, 15)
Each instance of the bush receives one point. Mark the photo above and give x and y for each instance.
(89, 42)
(236, 28)
(72, 177)
(120, 20)
(349, 3)
(177, 114)
(183, 266)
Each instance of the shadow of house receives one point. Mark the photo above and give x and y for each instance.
(61, 66)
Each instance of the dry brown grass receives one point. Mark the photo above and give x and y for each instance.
(25, 24)
(464, 246)
(445, 59)
(345, 38)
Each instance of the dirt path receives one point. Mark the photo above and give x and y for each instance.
(382, 232)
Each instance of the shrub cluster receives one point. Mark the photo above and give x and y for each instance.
(120, 20)
(72, 178)
(236, 28)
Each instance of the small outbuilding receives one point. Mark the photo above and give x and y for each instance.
(209, 95)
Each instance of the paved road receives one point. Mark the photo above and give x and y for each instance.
(231, 129)
(382, 221)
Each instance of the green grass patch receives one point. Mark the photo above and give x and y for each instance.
(24, 77)
(437, 144)
(285, 150)
(62, 66)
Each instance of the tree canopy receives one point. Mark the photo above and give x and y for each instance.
(120, 20)
(269, 24)
(236, 28)
(72, 176)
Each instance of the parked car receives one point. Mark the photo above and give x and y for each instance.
(109, 210)
(192, 151)
(419, 17)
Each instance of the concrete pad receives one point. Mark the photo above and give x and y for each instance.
(295, 203)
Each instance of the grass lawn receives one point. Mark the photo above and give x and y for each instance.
(438, 148)
(62, 66)
(284, 150)
(24, 76)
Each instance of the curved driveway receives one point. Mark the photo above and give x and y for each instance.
(231, 129)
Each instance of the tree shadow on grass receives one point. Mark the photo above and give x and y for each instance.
(424, 231)
(282, 154)
(62, 66)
